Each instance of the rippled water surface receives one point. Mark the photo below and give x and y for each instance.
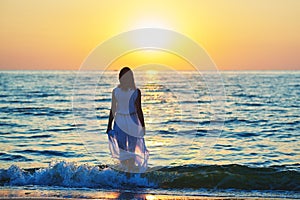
(56, 115)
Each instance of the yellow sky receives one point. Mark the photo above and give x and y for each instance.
(248, 34)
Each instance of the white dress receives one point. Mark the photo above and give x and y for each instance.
(128, 142)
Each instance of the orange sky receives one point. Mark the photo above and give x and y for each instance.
(238, 35)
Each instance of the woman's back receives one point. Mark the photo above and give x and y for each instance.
(125, 101)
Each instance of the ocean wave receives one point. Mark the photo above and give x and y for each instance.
(66, 174)
(71, 175)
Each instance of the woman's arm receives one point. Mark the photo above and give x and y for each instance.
(111, 113)
(138, 104)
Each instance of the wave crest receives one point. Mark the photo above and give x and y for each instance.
(240, 177)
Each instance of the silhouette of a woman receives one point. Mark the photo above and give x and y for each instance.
(126, 141)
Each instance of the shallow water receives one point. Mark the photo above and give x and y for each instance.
(57, 115)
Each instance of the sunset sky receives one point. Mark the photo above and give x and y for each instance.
(238, 35)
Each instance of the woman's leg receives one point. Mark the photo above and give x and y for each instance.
(131, 148)
(122, 143)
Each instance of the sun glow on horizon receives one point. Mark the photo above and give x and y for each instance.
(151, 72)
(152, 60)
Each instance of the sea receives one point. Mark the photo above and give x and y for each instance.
(242, 140)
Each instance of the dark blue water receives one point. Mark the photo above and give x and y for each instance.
(51, 116)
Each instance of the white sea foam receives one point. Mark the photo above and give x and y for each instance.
(71, 175)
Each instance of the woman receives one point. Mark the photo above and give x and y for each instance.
(126, 141)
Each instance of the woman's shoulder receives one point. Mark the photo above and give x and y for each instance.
(115, 90)
(138, 91)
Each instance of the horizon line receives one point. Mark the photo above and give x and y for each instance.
(150, 70)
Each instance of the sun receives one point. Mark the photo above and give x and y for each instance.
(151, 22)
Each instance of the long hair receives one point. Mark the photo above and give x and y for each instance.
(126, 79)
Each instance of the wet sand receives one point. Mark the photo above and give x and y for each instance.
(83, 194)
